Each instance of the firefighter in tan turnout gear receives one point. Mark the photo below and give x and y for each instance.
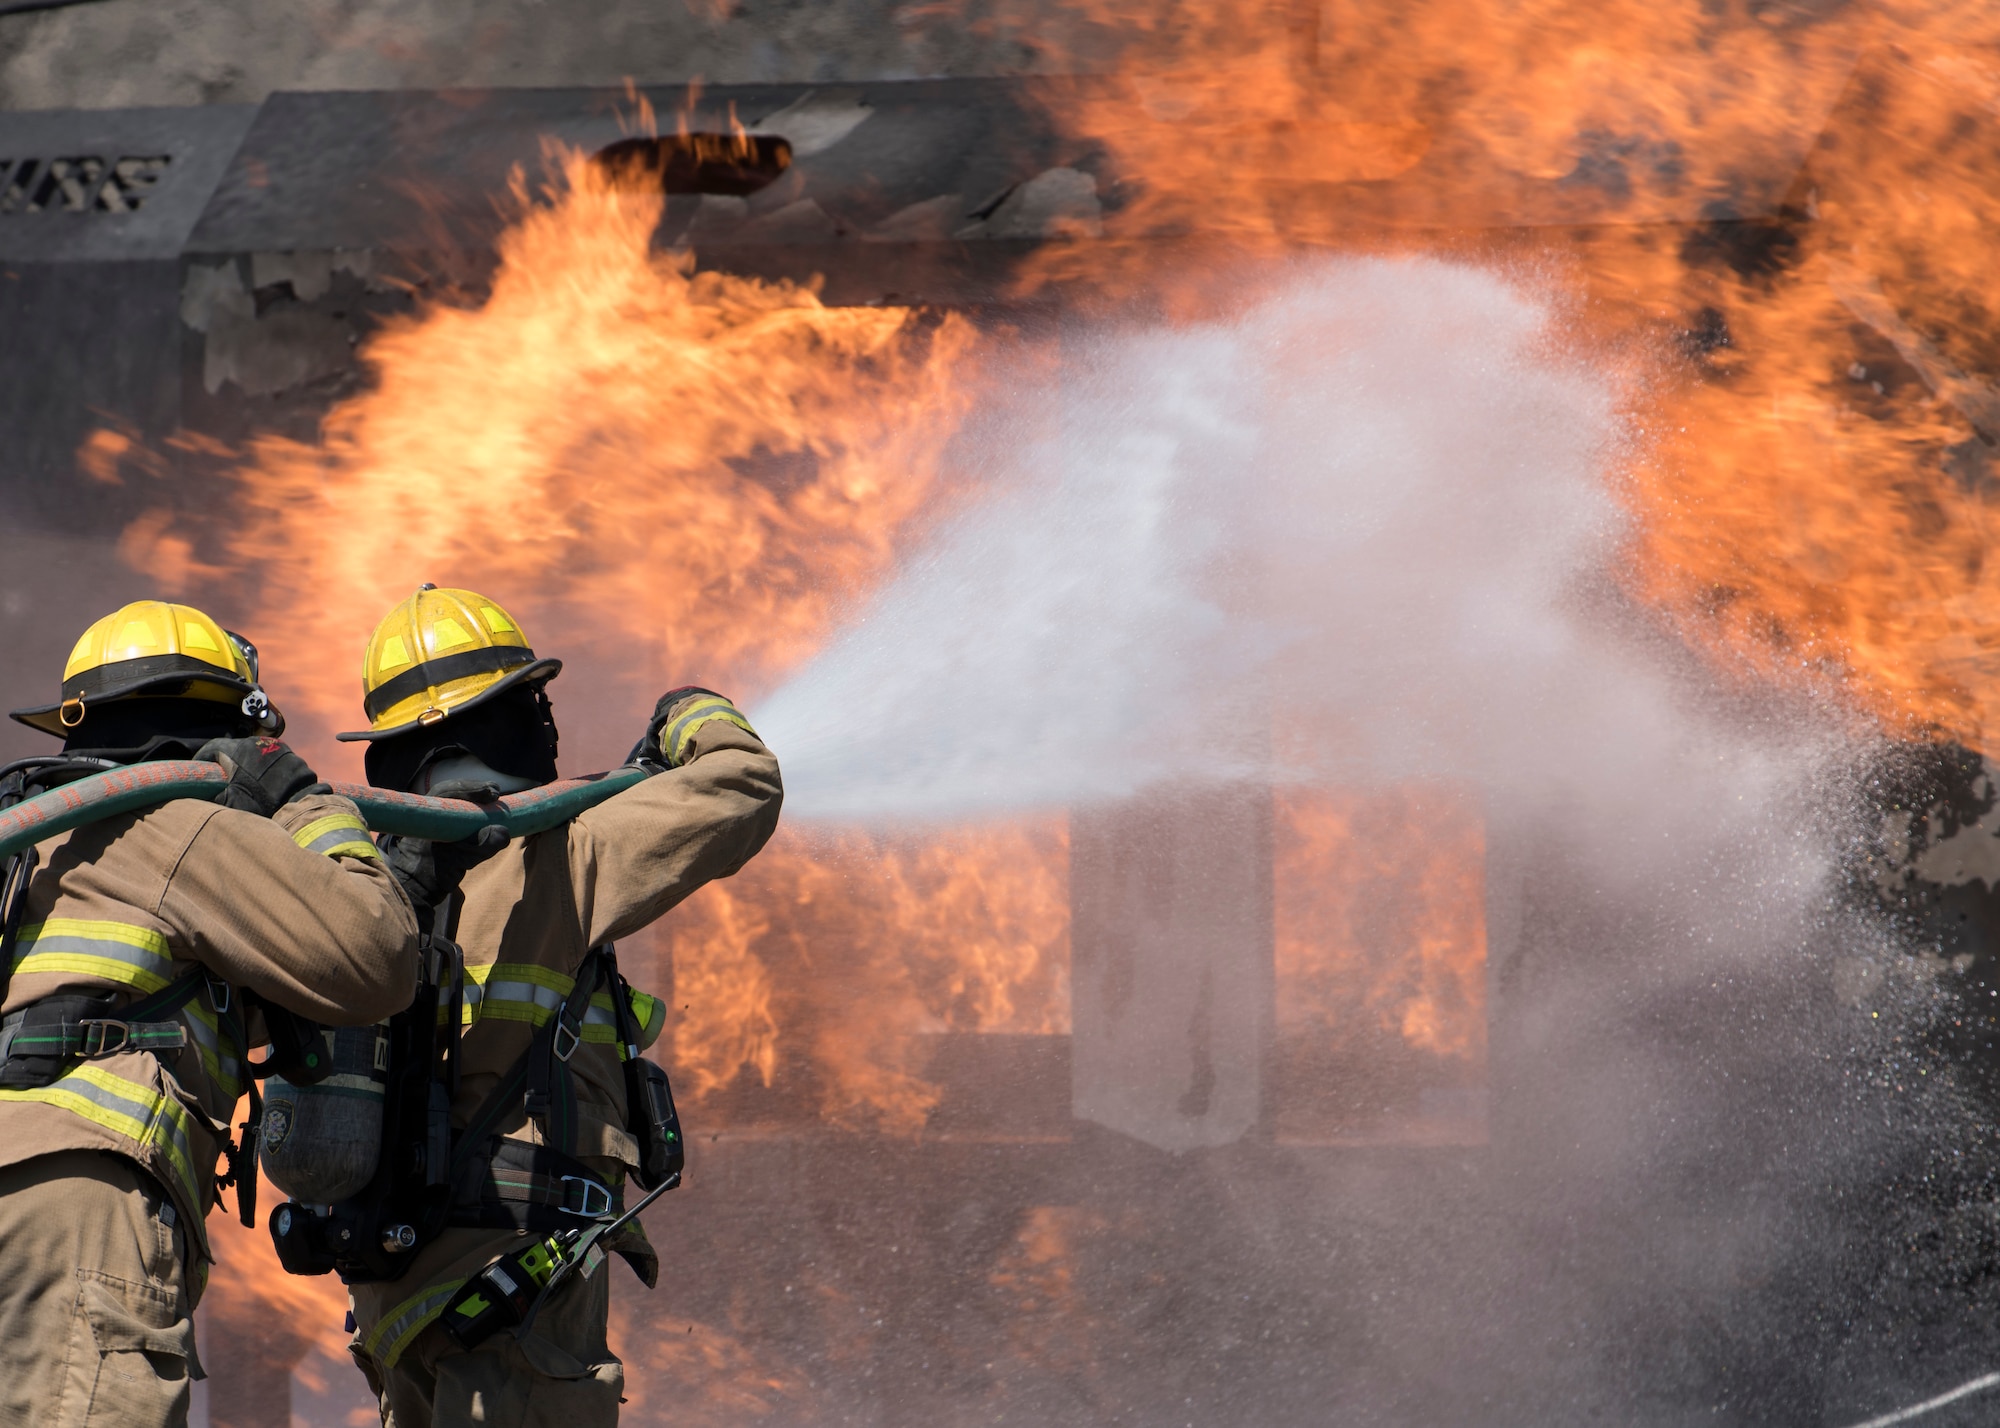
(456, 703)
(135, 948)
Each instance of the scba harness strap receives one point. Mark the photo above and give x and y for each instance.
(535, 1188)
(41, 1041)
(516, 1186)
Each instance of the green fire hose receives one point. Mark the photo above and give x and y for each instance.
(411, 815)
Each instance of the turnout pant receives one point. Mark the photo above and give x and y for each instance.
(562, 1375)
(96, 1327)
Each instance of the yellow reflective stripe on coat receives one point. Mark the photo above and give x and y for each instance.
(387, 1340)
(526, 993)
(139, 1113)
(338, 835)
(135, 957)
(674, 738)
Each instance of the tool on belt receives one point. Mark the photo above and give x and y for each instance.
(511, 1290)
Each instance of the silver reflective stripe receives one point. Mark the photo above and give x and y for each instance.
(518, 991)
(342, 841)
(135, 957)
(139, 1113)
(336, 834)
(517, 1001)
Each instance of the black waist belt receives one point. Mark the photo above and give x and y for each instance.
(41, 1041)
(517, 1186)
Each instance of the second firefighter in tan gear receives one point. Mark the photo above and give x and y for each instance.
(455, 697)
(112, 1115)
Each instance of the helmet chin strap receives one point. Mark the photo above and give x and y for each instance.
(468, 768)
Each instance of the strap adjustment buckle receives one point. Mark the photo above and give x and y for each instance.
(95, 1037)
(562, 1052)
(596, 1197)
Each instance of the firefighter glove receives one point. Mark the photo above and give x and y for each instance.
(264, 775)
(430, 871)
(676, 717)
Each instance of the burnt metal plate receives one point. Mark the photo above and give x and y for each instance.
(426, 169)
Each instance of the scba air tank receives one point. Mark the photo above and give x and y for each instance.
(320, 1143)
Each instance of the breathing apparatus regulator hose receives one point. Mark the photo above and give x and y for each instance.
(408, 815)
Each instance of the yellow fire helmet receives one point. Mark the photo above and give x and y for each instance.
(438, 653)
(159, 650)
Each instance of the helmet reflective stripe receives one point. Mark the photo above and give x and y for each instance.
(141, 1114)
(435, 673)
(134, 957)
(387, 1340)
(337, 835)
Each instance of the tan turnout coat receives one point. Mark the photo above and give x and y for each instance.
(531, 913)
(298, 908)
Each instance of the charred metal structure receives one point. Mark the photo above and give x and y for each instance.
(214, 271)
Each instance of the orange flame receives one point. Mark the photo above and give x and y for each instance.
(878, 939)
(1381, 917)
(1826, 502)
(673, 471)
(1800, 201)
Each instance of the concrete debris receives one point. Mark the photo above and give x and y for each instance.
(1056, 203)
(720, 215)
(309, 274)
(815, 123)
(277, 352)
(930, 221)
(801, 222)
(211, 292)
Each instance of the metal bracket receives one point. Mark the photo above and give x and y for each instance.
(589, 1186)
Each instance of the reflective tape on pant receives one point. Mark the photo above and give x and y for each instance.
(386, 1342)
(338, 835)
(523, 992)
(148, 1118)
(135, 957)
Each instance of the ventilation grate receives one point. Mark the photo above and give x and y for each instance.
(79, 185)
